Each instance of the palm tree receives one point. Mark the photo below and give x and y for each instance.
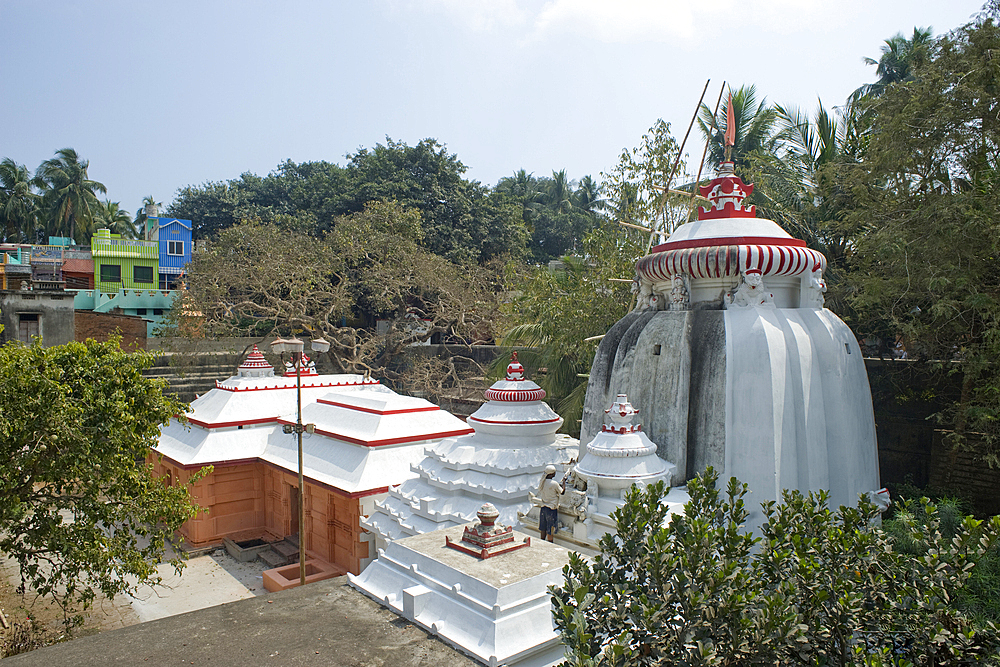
(588, 195)
(523, 187)
(560, 192)
(114, 217)
(755, 128)
(900, 56)
(69, 197)
(18, 202)
(140, 215)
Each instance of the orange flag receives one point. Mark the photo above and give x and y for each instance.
(730, 123)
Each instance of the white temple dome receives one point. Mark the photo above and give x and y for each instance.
(621, 455)
(255, 365)
(501, 462)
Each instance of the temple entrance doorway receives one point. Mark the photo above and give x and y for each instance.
(293, 510)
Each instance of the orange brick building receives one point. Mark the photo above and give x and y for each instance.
(366, 439)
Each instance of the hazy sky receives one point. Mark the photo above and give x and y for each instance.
(163, 94)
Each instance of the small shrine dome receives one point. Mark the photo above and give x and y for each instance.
(255, 365)
(514, 439)
(514, 408)
(621, 455)
(308, 368)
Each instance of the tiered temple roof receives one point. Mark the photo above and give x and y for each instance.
(366, 436)
(514, 439)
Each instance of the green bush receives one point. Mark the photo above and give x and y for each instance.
(817, 587)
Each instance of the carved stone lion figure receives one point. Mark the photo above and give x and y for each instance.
(751, 292)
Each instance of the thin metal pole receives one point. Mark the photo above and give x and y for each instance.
(302, 487)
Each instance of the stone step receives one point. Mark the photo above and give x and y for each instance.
(289, 551)
(272, 558)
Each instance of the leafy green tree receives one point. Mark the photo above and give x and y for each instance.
(554, 312)
(551, 212)
(69, 196)
(637, 188)
(79, 512)
(18, 202)
(816, 587)
(258, 278)
(925, 196)
(216, 206)
(463, 221)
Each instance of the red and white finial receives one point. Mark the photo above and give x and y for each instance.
(515, 371)
(522, 390)
(621, 414)
(726, 193)
(255, 365)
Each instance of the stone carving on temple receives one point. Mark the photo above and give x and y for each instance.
(814, 289)
(678, 294)
(644, 291)
(751, 292)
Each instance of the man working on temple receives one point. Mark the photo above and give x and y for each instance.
(549, 492)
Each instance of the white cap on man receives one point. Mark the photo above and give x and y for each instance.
(550, 469)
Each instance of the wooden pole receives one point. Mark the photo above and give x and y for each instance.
(677, 161)
(704, 152)
(639, 227)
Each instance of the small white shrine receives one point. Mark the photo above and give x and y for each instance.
(619, 457)
(500, 463)
(493, 606)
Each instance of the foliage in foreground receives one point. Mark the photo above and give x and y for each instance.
(79, 511)
(818, 587)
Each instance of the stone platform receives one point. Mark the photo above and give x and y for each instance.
(497, 610)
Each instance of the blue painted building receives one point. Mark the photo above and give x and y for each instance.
(174, 237)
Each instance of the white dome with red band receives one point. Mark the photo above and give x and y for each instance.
(727, 240)
(514, 388)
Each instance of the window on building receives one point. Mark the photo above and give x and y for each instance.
(157, 311)
(175, 247)
(142, 275)
(27, 326)
(140, 311)
(111, 273)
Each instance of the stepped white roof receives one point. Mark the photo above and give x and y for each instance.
(515, 438)
(498, 610)
(367, 436)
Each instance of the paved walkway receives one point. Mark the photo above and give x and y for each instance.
(207, 580)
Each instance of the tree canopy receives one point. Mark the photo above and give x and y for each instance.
(79, 511)
(814, 586)
(263, 277)
(463, 221)
(925, 196)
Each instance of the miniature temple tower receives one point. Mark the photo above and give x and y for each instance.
(500, 463)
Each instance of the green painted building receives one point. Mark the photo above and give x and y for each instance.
(124, 263)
